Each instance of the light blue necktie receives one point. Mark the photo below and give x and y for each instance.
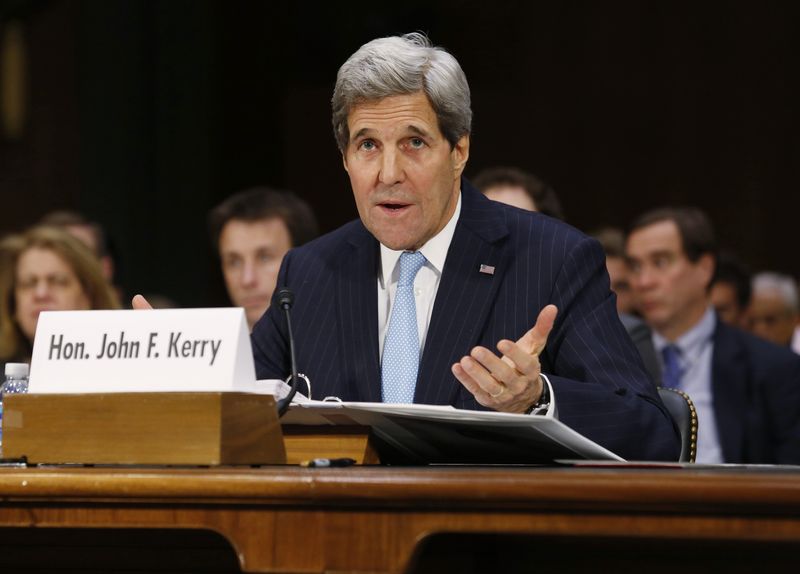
(673, 371)
(401, 348)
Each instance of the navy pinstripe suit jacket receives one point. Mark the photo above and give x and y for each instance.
(597, 374)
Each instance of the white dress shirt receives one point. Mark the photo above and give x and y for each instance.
(696, 349)
(426, 284)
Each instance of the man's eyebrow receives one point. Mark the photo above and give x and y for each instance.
(649, 255)
(410, 128)
(361, 132)
(418, 131)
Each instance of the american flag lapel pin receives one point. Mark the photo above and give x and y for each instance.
(486, 269)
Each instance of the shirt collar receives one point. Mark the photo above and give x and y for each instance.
(691, 343)
(434, 250)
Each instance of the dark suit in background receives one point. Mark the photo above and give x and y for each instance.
(756, 390)
(597, 374)
(756, 393)
(642, 338)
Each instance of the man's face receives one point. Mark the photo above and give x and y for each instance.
(670, 290)
(511, 195)
(251, 253)
(404, 175)
(618, 273)
(726, 303)
(771, 319)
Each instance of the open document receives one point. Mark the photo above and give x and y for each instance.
(429, 434)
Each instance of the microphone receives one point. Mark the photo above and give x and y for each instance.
(285, 298)
(285, 301)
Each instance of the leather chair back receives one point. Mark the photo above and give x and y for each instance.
(681, 407)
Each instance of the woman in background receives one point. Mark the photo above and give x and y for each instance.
(45, 269)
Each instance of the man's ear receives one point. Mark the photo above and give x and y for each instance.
(460, 155)
(344, 162)
(707, 264)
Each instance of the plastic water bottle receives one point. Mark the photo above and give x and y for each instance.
(16, 382)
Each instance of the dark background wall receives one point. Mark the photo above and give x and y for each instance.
(144, 114)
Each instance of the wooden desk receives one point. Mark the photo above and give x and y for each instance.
(370, 519)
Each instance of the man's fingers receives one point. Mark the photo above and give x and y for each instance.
(139, 303)
(469, 383)
(494, 375)
(477, 376)
(534, 340)
(524, 362)
(482, 377)
(500, 370)
(511, 382)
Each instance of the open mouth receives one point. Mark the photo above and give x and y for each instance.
(393, 207)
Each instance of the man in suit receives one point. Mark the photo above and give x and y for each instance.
(407, 303)
(251, 231)
(746, 391)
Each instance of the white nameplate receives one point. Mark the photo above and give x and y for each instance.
(130, 351)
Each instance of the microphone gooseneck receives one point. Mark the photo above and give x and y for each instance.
(285, 300)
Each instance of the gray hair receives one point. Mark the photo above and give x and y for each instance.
(783, 285)
(401, 65)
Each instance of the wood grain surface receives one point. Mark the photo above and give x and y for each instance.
(371, 519)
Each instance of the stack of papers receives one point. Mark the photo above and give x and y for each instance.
(432, 434)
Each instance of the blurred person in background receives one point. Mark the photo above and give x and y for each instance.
(730, 290)
(774, 311)
(519, 188)
(90, 232)
(251, 231)
(613, 242)
(745, 389)
(45, 269)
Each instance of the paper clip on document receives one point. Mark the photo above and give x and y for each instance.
(306, 379)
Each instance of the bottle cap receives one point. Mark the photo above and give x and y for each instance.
(17, 369)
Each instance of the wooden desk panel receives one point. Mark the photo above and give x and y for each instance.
(281, 519)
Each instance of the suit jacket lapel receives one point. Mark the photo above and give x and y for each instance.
(729, 382)
(465, 296)
(357, 300)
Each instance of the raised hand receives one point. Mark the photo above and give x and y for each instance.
(510, 382)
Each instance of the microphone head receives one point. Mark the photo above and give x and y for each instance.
(285, 298)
